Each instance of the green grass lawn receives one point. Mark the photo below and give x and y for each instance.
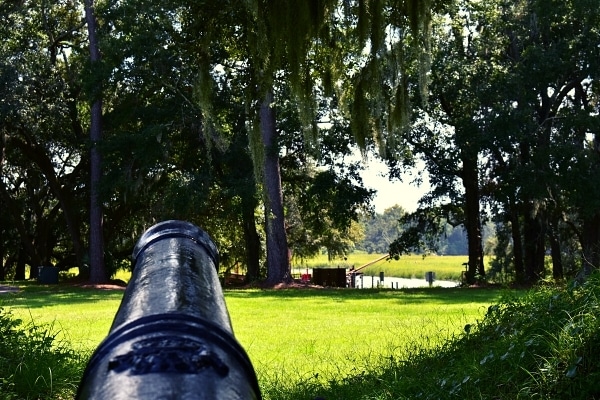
(335, 333)
(341, 344)
(82, 316)
(291, 336)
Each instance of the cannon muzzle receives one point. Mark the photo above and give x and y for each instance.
(171, 337)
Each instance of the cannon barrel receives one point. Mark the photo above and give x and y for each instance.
(171, 337)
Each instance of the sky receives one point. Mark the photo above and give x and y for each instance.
(389, 193)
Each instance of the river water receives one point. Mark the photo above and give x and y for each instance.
(364, 282)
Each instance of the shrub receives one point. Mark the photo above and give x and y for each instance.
(540, 346)
(33, 364)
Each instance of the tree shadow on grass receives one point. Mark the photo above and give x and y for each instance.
(33, 295)
(406, 296)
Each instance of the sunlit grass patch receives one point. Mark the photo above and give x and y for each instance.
(322, 335)
(312, 337)
(82, 316)
(539, 345)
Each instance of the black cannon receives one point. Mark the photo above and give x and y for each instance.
(171, 337)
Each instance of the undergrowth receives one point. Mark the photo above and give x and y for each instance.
(543, 345)
(33, 365)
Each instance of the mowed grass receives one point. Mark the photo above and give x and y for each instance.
(293, 335)
(298, 335)
(408, 266)
(82, 316)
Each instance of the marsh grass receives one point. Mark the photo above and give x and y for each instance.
(408, 266)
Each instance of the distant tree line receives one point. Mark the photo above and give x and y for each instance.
(381, 230)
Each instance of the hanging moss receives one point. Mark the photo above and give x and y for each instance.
(298, 36)
(203, 93)
(377, 26)
(384, 79)
(255, 142)
(400, 110)
(360, 116)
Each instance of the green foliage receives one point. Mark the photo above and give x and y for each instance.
(323, 192)
(396, 35)
(559, 334)
(41, 134)
(33, 365)
(543, 345)
(381, 230)
(407, 234)
(423, 231)
(513, 107)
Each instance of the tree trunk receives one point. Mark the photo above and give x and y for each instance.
(3, 217)
(278, 265)
(38, 156)
(98, 272)
(20, 269)
(470, 178)
(515, 229)
(534, 239)
(541, 248)
(2, 252)
(26, 241)
(591, 245)
(557, 264)
(590, 237)
(252, 240)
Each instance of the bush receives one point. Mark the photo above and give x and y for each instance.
(549, 340)
(33, 364)
(540, 346)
